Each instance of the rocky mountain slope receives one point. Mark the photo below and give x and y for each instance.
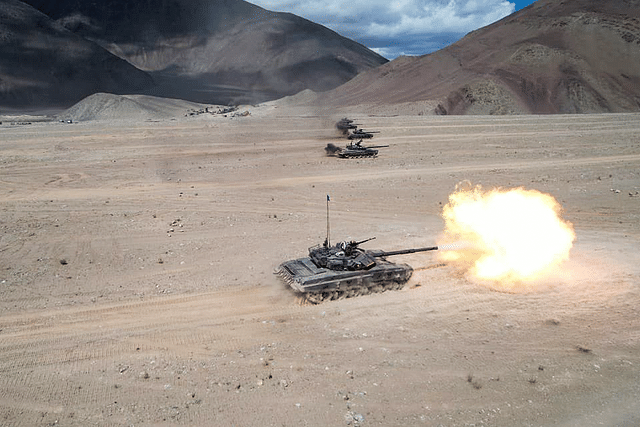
(45, 65)
(579, 56)
(216, 51)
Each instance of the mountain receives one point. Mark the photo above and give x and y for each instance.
(45, 65)
(218, 51)
(110, 107)
(554, 56)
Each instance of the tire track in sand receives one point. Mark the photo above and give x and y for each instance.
(170, 323)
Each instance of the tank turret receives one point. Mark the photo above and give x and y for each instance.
(341, 257)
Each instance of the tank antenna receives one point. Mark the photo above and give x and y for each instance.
(328, 240)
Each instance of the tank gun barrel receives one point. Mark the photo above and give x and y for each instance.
(403, 251)
(377, 146)
(362, 241)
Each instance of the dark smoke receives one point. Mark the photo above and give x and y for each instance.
(332, 149)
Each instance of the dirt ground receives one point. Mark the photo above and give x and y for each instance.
(137, 285)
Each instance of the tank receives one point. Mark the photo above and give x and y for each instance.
(362, 134)
(345, 270)
(353, 150)
(344, 125)
(356, 150)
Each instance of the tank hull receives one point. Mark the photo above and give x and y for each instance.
(357, 153)
(317, 284)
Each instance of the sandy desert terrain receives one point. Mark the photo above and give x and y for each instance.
(137, 286)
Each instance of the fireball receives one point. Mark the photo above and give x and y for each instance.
(510, 237)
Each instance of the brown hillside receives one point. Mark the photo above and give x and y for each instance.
(45, 65)
(579, 56)
(222, 51)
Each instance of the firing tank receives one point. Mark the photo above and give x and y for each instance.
(356, 150)
(345, 270)
(362, 134)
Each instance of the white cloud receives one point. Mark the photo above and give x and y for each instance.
(372, 21)
(435, 18)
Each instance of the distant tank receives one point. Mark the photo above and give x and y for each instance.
(361, 134)
(344, 125)
(345, 270)
(356, 150)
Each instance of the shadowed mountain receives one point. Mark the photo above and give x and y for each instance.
(578, 56)
(45, 65)
(216, 50)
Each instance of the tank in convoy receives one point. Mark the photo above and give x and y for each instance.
(345, 125)
(345, 270)
(362, 134)
(357, 150)
(353, 150)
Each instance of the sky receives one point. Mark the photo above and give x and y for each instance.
(399, 27)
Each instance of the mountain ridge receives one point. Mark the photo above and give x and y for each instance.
(550, 57)
(45, 65)
(195, 48)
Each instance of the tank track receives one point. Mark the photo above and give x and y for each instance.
(320, 297)
(356, 156)
(351, 287)
(359, 156)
